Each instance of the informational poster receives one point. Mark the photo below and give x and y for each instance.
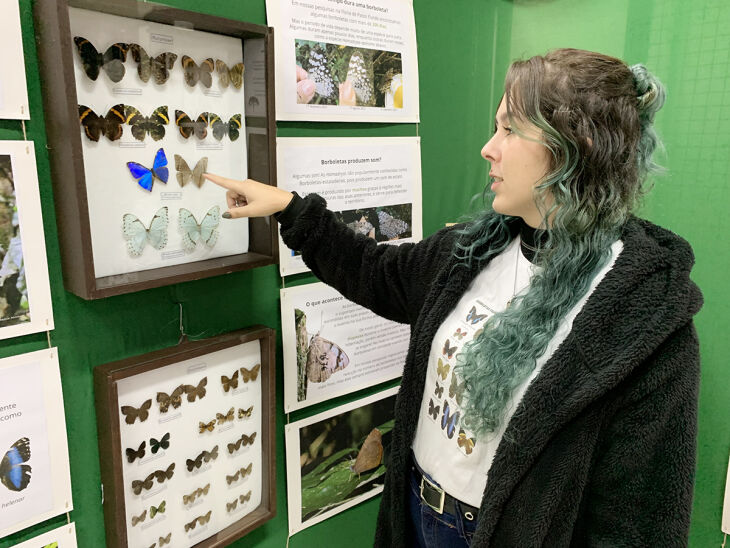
(25, 294)
(372, 184)
(62, 537)
(254, 77)
(333, 346)
(13, 92)
(35, 482)
(345, 60)
(337, 459)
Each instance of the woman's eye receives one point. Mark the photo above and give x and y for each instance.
(508, 129)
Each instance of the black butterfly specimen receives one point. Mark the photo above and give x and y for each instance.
(205, 518)
(112, 60)
(205, 456)
(133, 413)
(433, 410)
(250, 374)
(139, 519)
(163, 443)
(199, 492)
(146, 484)
(136, 454)
(174, 399)
(196, 391)
(187, 127)
(95, 126)
(449, 350)
(240, 473)
(245, 413)
(439, 392)
(230, 383)
(228, 417)
(220, 128)
(162, 475)
(147, 66)
(195, 73)
(14, 474)
(185, 174)
(141, 125)
(243, 440)
(227, 76)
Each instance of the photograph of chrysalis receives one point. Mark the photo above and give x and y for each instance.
(14, 308)
(332, 74)
(344, 457)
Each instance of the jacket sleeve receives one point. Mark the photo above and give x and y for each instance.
(641, 491)
(390, 280)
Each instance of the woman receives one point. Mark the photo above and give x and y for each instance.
(550, 390)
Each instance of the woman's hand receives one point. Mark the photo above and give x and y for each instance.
(250, 198)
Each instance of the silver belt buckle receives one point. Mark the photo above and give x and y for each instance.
(440, 508)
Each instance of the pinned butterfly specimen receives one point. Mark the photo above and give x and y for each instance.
(165, 540)
(199, 492)
(147, 66)
(456, 390)
(163, 443)
(139, 519)
(205, 231)
(231, 505)
(243, 440)
(204, 456)
(196, 391)
(146, 484)
(220, 128)
(230, 383)
(319, 73)
(245, 413)
(448, 350)
(442, 369)
(433, 410)
(240, 473)
(133, 413)
(158, 510)
(195, 73)
(371, 453)
(137, 235)
(228, 417)
(245, 498)
(111, 61)
(145, 175)
(187, 127)
(141, 125)
(227, 76)
(14, 474)
(250, 374)
(459, 334)
(391, 227)
(449, 420)
(466, 443)
(361, 78)
(473, 317)
(205, 518)
(439, 392)
(210, 426)
(136, 454)
(185, 174)
(241, 498)
(162, 475)
(174, 399)
(95, 126)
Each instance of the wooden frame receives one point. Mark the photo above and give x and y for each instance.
(55, 52)
(107, 380)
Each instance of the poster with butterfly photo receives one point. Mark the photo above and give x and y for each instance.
(61, 537)
(13, 92)
(354, 62)
(158, 106)
(337, 459)
(35, 482)
(185, 436)
(373, 184)
(25, 293)
(333, 346)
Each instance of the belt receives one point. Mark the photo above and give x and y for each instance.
(440, 501)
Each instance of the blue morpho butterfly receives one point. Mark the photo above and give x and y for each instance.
(145, 175)
(448, 421)
(13, 473)
(473, 317)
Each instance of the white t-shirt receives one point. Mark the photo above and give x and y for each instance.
(451, 455)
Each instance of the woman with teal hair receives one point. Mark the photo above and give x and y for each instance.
(549, 395)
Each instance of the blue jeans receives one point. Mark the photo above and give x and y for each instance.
(434, 530)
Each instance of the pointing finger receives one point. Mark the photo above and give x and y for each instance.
(225, 182)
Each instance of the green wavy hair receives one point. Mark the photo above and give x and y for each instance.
(595, 115)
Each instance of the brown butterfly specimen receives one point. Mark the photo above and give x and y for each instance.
(240, 473)
(228, 417)
(195, 73)
(147, 66)
(196, 391)
(205, 518)
(245, 413)
(199, 492)
(227, 76)
(133, 413)
(136, 454)
(163, 475)
(371, 453)
(243, 440)
(250, 374)
(231, 505)
(174, 399)
(206, 426)
(146, 484)
(204, 456)
(230, 383)
(465, 442)
(165, 540)
(245, 498)
(139, 519)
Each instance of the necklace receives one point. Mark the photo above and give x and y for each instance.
(517, 268)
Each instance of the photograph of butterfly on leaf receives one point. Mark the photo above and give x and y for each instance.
(14, 308)
(344, 456)
(375, 75)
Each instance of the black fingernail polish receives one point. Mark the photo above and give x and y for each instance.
(226, 215)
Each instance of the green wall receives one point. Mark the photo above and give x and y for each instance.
(464, 49)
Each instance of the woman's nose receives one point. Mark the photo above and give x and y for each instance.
(488, 151)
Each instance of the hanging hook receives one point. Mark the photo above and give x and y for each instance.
(183, 335)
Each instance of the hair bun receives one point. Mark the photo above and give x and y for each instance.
(650, 93)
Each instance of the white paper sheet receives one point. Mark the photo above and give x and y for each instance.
(13, 93)
(65, 536)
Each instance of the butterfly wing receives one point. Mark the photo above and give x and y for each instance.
(91, 60)
(184, 123)
(200, 168)
(91, 123)
(13, 473)
(234, 127)
(209, 226)
(236, 75)
(130, 413)
(159, 167)
(250, 374)
(161, 66)
(190, 71)
(142, 174)
(223, 77)
(219, 127)
(184, 173)
(113, 122)
(113, 61)
(205, 71)
(190, 229)
(144, 64)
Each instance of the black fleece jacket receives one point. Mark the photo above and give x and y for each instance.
(601, 450)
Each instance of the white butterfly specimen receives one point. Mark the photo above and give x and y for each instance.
(205, 231)
(358, 76)
(320, 74)
(137, 234)
(390, 226)
(185, 174)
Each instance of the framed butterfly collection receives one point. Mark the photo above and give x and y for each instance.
(186, 441)
(156, 105)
